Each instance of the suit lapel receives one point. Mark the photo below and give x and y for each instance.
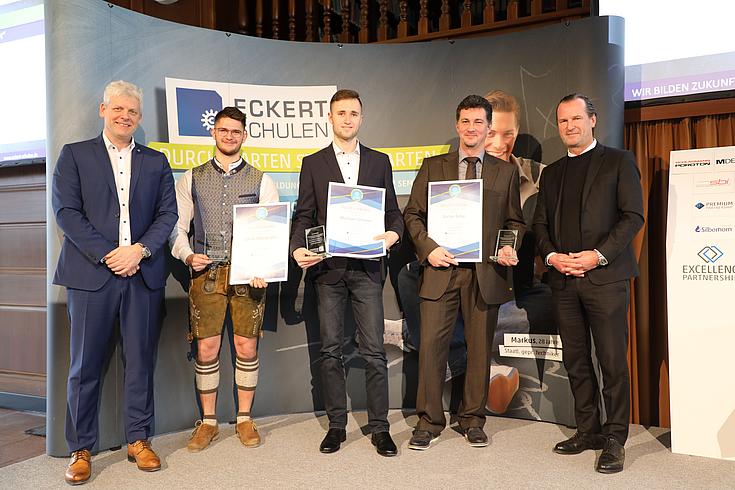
(598, 154)
(136, 164)
(557, 208)
(364, 166)
(335, 174)
(490, 171)
(450, 166)
(101, 155)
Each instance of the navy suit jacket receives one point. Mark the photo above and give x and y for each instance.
(87, 210)
(317, 171)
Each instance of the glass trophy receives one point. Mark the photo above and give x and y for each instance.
(505, 238)
(316, 240)
(215, 247)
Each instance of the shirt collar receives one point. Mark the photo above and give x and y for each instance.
(463, 155)
(592, 145)
(338, 151)
(232, 168)
(110, 146)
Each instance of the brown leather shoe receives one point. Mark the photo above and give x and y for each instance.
(141, 453)
(80, 467)
(248, 433)
(202, 436)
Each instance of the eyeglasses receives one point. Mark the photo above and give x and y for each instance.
(236, 133)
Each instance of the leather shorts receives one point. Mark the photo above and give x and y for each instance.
(209, 296)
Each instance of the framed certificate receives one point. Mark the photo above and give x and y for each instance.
(260, 234)
(355, 216)
(455, 217)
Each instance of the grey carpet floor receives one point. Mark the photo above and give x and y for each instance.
(519, 456)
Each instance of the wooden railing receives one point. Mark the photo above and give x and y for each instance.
(364, 21)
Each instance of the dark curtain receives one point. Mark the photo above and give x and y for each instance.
(651, 141)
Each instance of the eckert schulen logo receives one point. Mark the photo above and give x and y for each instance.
(196, 110)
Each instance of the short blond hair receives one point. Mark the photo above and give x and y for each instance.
(122, 88)
(504, 102)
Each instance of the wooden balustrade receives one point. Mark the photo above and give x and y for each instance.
(365, 21)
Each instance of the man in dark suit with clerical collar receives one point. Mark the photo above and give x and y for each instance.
(589, 209)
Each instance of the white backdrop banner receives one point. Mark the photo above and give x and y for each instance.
(700, 249)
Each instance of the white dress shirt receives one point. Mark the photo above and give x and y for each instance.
(349, 163)
(120, 161)
(179, 239)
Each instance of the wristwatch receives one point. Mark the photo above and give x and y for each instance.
(601, 260)
(146, 250)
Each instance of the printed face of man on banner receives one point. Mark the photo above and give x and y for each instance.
(502, 135)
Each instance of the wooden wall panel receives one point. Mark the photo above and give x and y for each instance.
(22, 287)
(23, 245)
(22, 203)
(23, 383)
(183, 11)
(23, 280)
(23, 346)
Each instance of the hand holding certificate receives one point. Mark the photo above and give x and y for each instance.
(260, 235)
(355, 216)
(455, 218)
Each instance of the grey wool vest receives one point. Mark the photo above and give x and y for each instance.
(214, 192)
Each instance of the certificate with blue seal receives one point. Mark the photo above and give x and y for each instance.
(355, 216)
(454, 217)
(260, 234)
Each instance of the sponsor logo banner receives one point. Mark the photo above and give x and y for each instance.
(710, 267)
(713, 183)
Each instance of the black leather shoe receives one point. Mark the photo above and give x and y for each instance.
(421, 440)
(580, 442)
(331, 442)
(384, 444)
(476, 437)
(612, 458)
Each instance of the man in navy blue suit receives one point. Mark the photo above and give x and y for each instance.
(114, 201)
